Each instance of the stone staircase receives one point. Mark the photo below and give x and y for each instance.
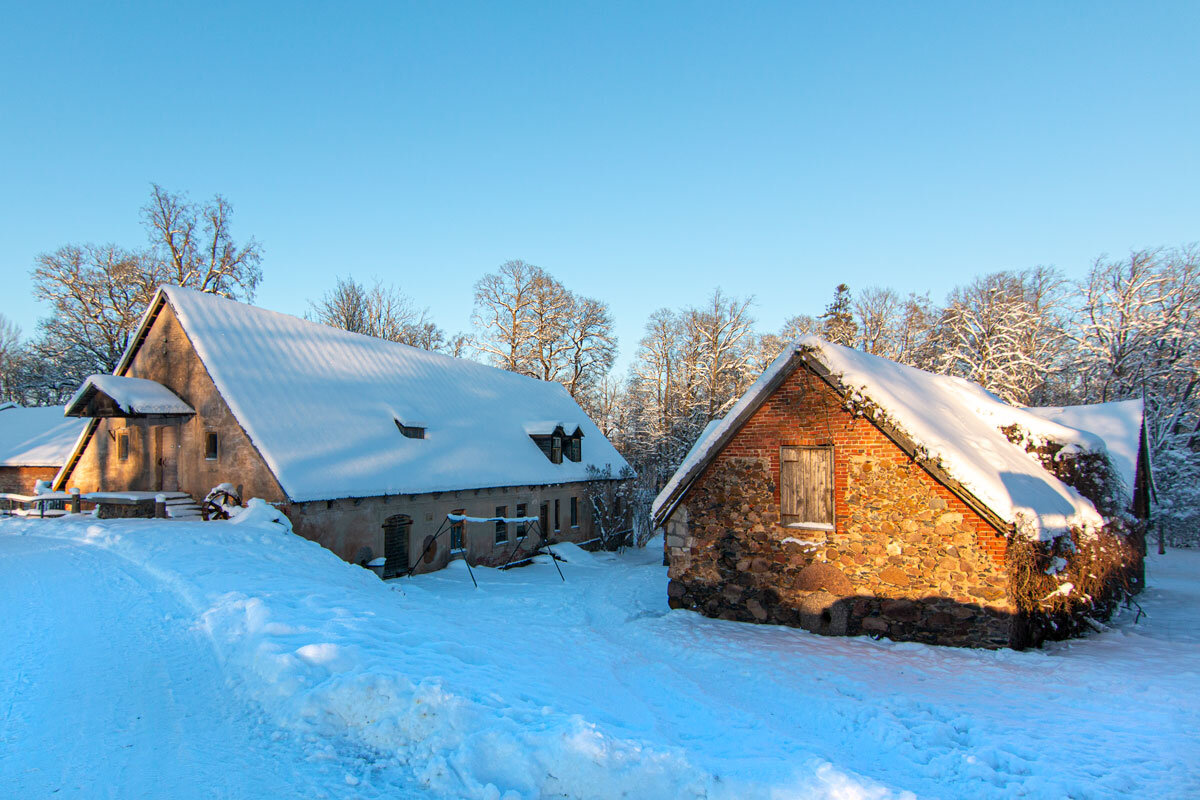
(183, 508)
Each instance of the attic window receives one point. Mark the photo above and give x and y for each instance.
(559, 445)
(411, 431)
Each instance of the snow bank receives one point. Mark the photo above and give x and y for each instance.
(355, 665)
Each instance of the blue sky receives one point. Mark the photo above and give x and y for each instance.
(644, 153)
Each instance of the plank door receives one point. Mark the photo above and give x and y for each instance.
(166, 458)
(395, 544)
(806, 485)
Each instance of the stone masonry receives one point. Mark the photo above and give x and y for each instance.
(907, 558)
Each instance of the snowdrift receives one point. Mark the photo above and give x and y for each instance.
(355, 665)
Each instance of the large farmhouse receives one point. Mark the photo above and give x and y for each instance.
(848, 494)
(366, 445)
(34, 444)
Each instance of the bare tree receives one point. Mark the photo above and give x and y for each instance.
(10, 357)
(502, 302)
(97, 295)
(549, 319)
(192, 245)
(530, 323)
(591, 346)
(382, 311)
(877, 311)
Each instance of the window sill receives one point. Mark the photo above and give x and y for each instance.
(810, 526)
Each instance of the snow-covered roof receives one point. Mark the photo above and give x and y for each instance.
(548, 427)
(321, 406)
(952, 422)
(132, 395)
(36, 437)
(1118, 424)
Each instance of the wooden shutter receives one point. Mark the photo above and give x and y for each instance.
(806, 485)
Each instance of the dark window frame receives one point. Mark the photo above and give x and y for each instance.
(522, 511)
(557, 515)
(574, 512)
(501, 526)
(123, 444)
(458, 533)
(212, 446)
(410, 431)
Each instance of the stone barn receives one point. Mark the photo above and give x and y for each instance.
(34, 444)
(368, 446)
(848, 494)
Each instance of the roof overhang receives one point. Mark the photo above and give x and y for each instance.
(119, 396)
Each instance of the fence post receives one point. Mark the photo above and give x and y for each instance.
(75, 500)
(160, 506)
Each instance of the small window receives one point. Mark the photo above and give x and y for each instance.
(556, 451)
(456, 532)
(521, 512)
(557, 503)
(501, 525)
(574, 449)
(210, 446)
(123, 445)
(411, 431)
(806, 487)
(574, 512)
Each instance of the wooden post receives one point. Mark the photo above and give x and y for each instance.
(160, 506)
(75, 500)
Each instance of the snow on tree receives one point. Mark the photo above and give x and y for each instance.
(837, 323)
(1139, 336)
(1005, 331)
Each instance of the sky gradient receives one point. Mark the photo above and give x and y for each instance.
(642, 153)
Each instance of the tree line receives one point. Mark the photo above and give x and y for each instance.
(1127, 329)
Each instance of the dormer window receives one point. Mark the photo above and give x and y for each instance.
(411, 431)
(557, 441)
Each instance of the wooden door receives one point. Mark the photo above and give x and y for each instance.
(806, 485)
(166, 458)
(395, 544)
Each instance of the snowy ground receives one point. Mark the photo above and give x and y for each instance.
(149, 659)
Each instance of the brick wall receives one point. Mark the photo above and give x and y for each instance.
(907, 558)
(20, 480)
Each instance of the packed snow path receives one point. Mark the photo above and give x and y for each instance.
(262, 666)
(108, 691)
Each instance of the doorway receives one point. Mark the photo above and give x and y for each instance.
(166, 458)
(395, 545)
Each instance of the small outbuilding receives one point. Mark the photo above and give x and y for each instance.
(34, 444)
(372, 448)
(848, 494)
